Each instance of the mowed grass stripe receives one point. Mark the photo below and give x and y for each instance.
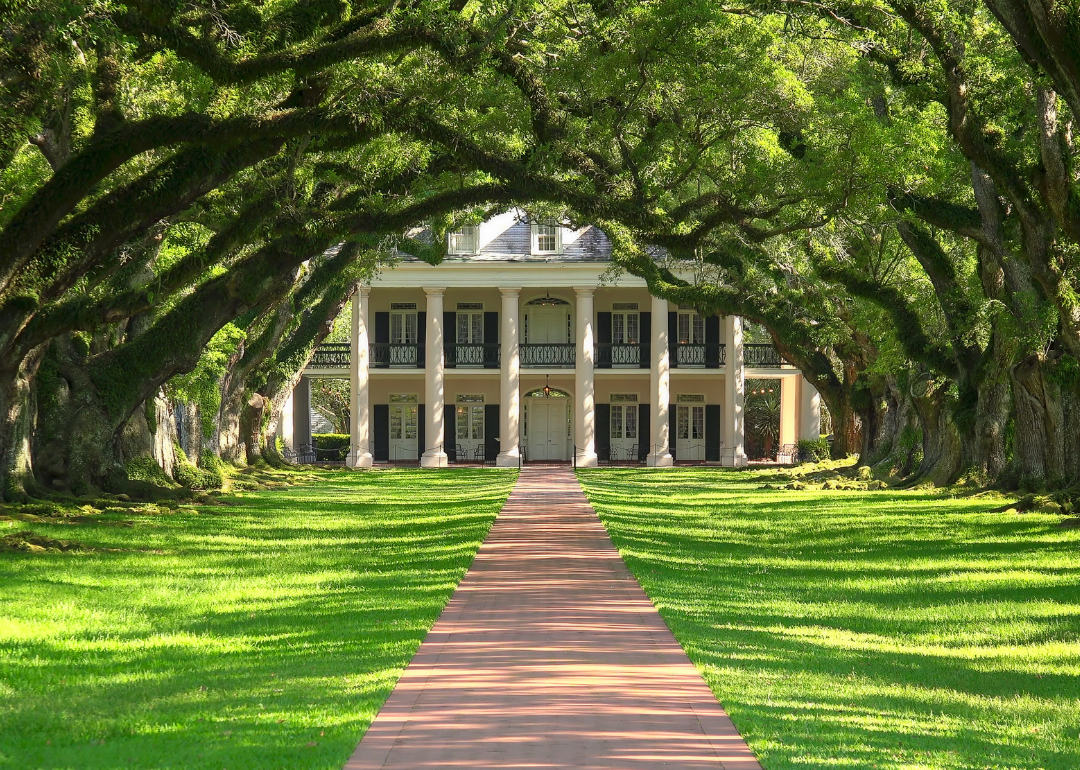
(265, 635)
(899, 630)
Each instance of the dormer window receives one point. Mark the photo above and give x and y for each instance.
(463, 241)
(546, 238)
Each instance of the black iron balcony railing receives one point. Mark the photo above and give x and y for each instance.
(609, 354)
(331, 355)
(762, 357)
(699, 355)
(553, 355)
(484, 354)
(383, 355)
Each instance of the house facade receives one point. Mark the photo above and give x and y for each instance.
(522, 347)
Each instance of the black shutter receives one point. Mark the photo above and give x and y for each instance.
(382, 337)
(491, 340)
(421, 339)
(603, 432)
(382, 328)
(645, 324)
(449, 335)
(673, 423)
(712, 343)
(603, 338)
(712, 433)
(381, 418)
(491, 432)
(450, 429)
(644, 432)
(421, 432)
(673, 339)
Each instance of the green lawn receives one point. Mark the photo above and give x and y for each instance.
(864, 630)
(265, 635)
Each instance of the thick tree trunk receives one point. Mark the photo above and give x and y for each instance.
(942, 446)
(17, 423)
(189, 428)
(76, 447)
(846, 424)
(1038, 445)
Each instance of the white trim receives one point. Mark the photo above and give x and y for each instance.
(535, 239)
(463, 242)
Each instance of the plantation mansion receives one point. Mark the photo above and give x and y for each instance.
(516, 349)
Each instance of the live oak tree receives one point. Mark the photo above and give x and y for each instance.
(190, 194)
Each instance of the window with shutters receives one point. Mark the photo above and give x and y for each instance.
(470, 327)
(691, 329)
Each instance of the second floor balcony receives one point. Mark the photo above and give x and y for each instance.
(474, 355)
(387, 355)
(546, 355)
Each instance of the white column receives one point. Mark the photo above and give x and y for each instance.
(733, 452)
(584, 384)
(809, 411)
(434, 390)
(659, 389)
(285, 424)
(359, 391)
(509, 382)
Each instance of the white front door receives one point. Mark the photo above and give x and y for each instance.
(546, 426)
(403, 420)
(690, 433)
(548, 325)
(624, 432)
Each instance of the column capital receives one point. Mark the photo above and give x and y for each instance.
(364, 291)
(510, 291)
(585, 290)
(434, 290)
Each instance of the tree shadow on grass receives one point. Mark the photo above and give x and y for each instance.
(268, 636)
(875, 630)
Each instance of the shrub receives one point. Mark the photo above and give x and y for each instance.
(811, 450)
(146, 469)
(195, 478)
(331, 446)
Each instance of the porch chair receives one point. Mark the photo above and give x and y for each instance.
(480, 454)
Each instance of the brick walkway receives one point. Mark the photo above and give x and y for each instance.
(549, 655)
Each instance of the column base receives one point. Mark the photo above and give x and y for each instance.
(588, 460)
(660, 460)
(434, 460)
(509, 459)
(362, 460)
(734, 458)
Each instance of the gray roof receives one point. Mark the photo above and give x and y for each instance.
(514, 244)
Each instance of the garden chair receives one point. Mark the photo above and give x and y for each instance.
(787, 454)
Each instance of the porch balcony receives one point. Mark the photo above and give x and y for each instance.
(548, 355)
(695, 355)
(331, 355)
(621, 355)
(757, 356)
(482, 355)
(390, 355)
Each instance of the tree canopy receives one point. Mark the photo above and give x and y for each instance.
(189, 194)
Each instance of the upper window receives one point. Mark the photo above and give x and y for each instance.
(463, 241)
(546, 238)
